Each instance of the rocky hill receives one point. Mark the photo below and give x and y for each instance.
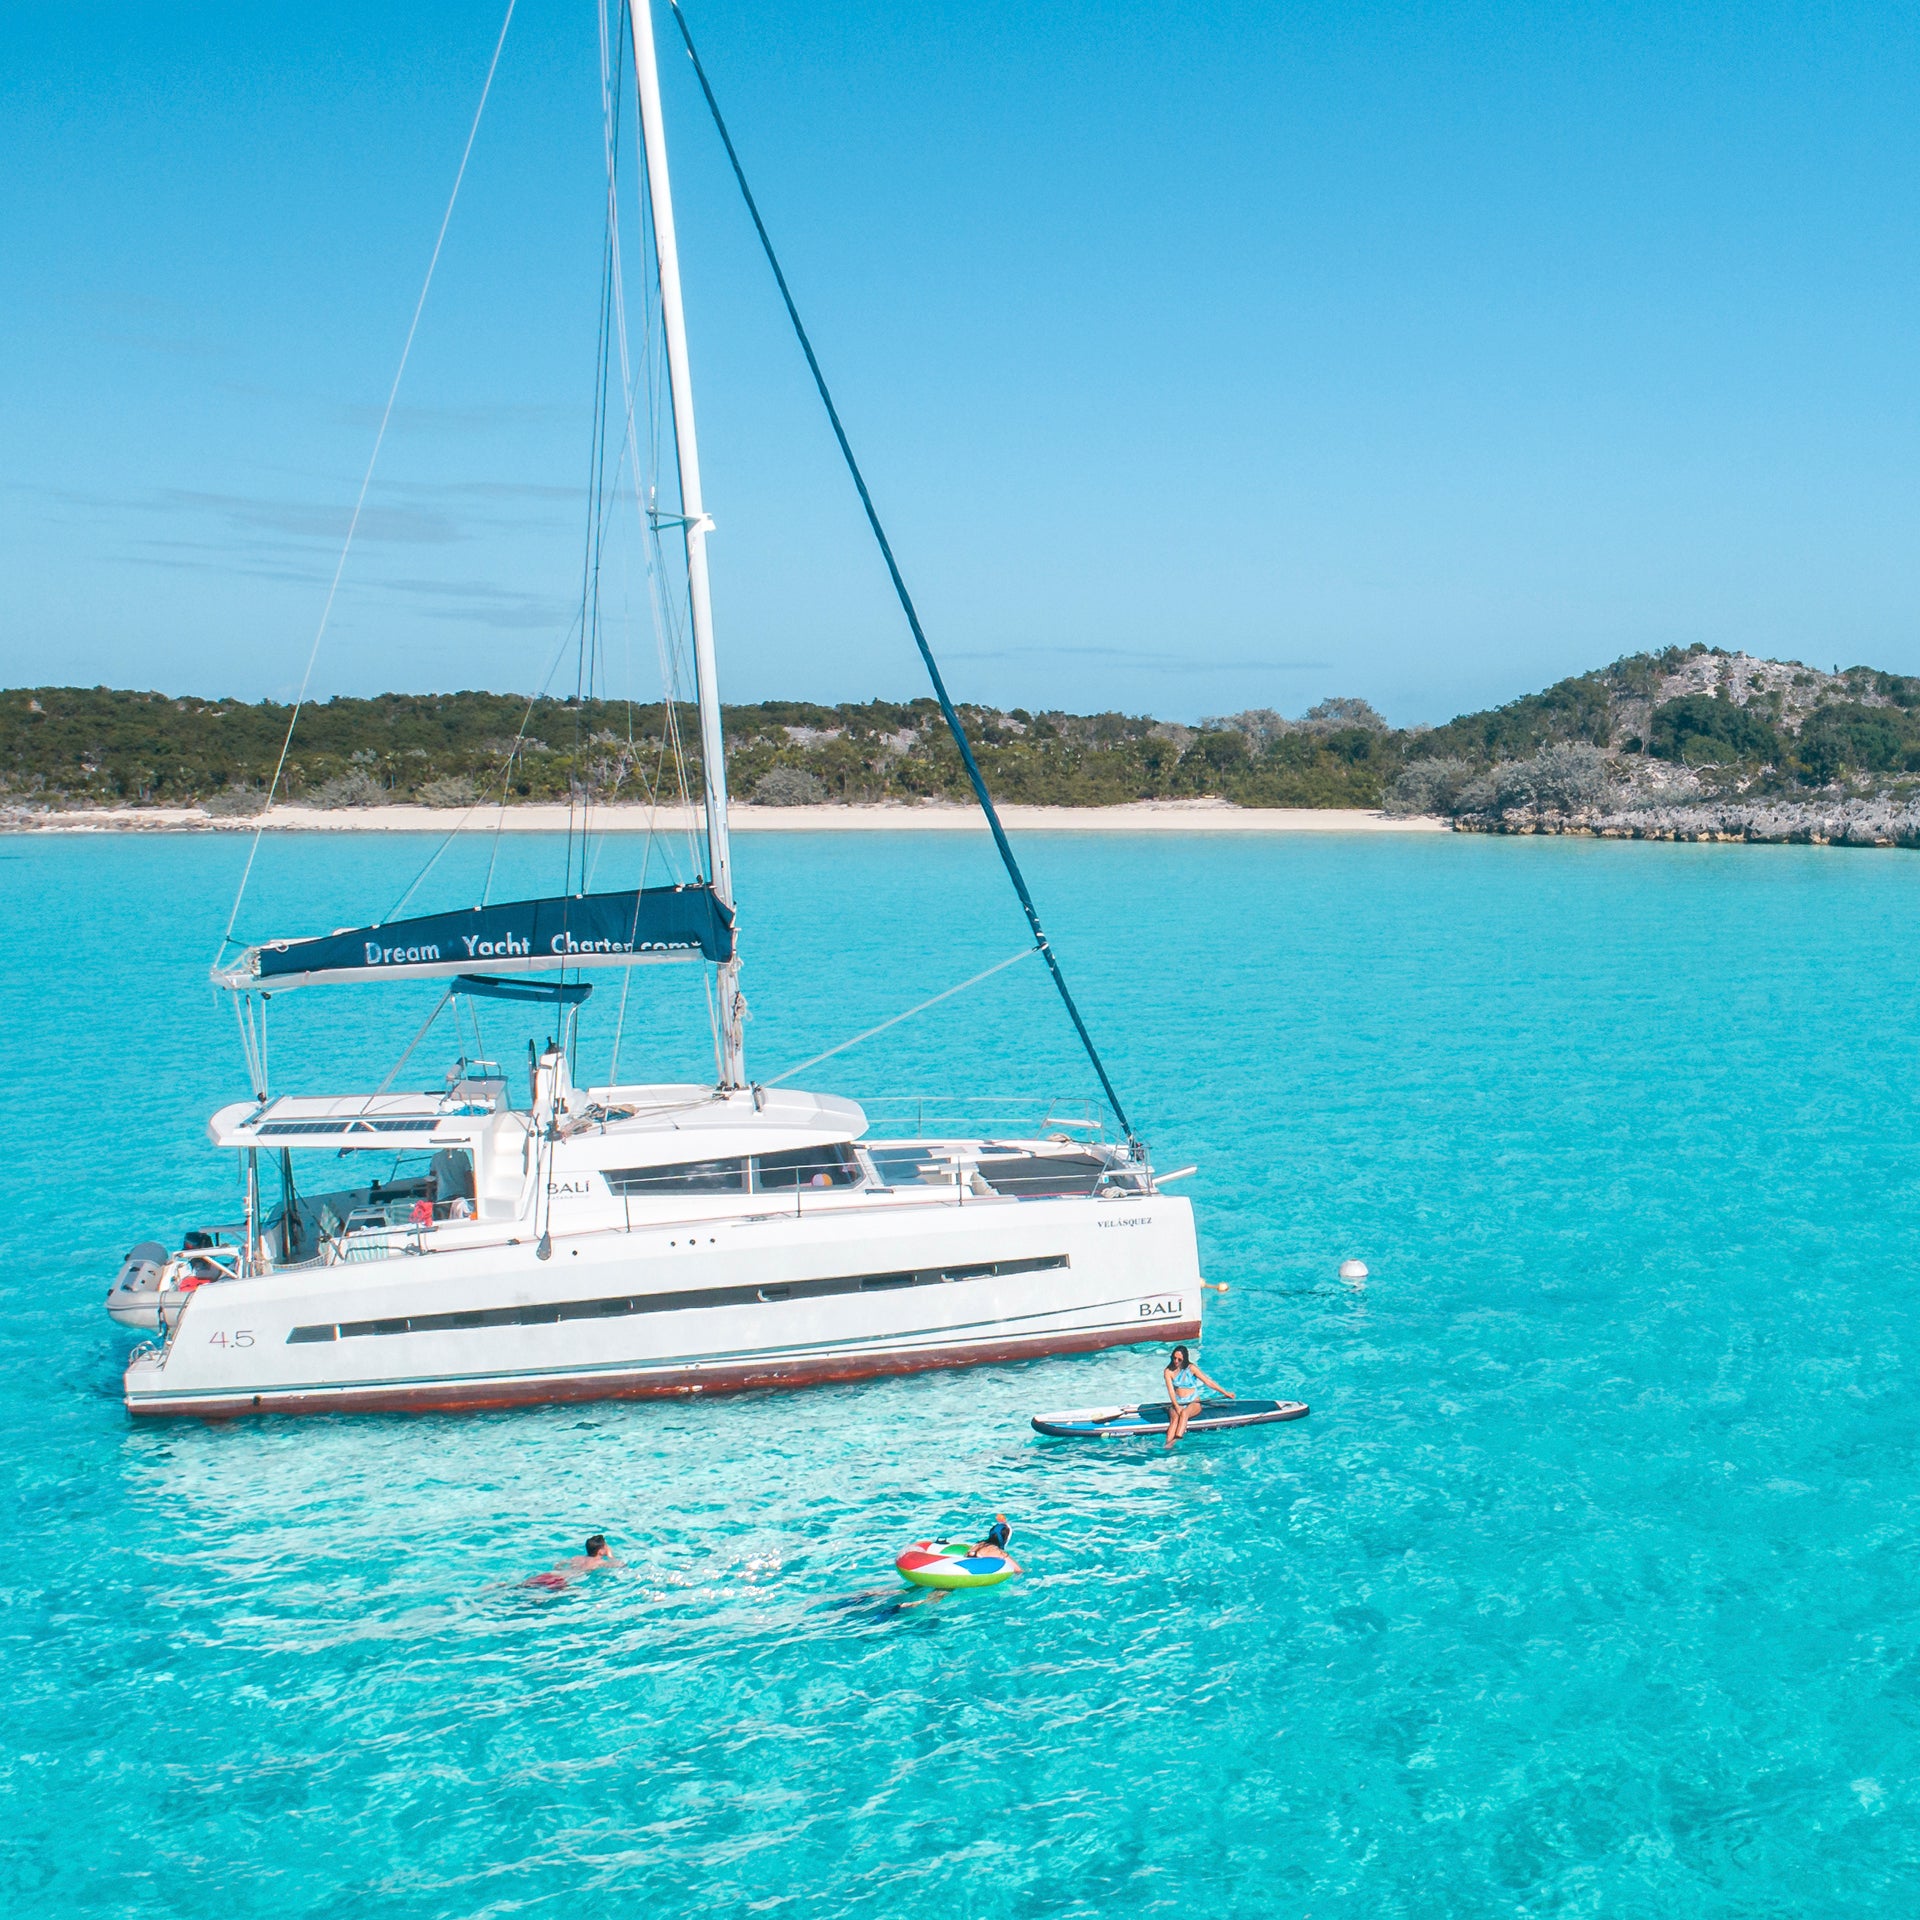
(1689, 744)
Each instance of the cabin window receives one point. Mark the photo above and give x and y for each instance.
(690, 1176)
(832, 1166)
(909, 1167)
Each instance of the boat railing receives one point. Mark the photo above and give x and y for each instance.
(380, 1229)
(215, 1259)
(949, 1175)
(1019, 1115)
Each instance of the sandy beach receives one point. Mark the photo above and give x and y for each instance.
(1203, 816)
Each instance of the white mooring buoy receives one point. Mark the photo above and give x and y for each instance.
(1353, 1269)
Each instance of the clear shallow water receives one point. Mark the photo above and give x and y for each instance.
(1588, 1588)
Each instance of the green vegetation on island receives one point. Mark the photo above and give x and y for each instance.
(1687, 728)
(67, 747)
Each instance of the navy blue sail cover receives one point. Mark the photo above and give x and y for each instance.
(520, 936)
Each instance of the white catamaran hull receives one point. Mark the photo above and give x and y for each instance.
(699, 1307)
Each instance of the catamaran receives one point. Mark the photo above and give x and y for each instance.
(628, 1240)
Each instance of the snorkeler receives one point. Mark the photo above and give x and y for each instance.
(1184, 1381)
(994, 1546)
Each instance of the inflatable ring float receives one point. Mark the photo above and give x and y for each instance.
(947, 1564)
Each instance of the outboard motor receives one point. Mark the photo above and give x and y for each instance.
(134, 1298)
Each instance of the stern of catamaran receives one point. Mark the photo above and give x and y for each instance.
(409, 1160)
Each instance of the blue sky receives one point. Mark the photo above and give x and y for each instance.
(1199, 358)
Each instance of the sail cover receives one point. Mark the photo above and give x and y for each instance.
(520, 936)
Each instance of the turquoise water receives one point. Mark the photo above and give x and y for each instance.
(1588, 1588)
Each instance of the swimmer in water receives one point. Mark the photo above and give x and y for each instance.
(994, 1546)
(1184, 1381)
(596, 1558)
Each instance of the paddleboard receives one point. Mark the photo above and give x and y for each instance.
(1124, 1423)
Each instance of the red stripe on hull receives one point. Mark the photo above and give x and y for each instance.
(683, 1383)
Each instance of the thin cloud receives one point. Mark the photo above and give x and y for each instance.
(457, 420)
(172, 346)
(1146, 662)
(305, 520)
(298, 520)
(486, 490)
(467, 600)
(186, 556)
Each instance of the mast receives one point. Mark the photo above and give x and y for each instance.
(696, 526)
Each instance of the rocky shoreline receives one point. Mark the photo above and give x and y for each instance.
(1854, 822)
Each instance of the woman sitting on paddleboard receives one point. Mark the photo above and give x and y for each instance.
(1184, 1381)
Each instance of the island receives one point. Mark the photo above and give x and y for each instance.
(1691, 743)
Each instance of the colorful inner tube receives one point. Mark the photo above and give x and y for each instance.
(950, 1563)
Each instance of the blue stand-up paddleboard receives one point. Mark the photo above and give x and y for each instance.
(1126, 1423)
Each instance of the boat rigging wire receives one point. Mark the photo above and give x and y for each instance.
(393, 1073)
(473, 806)
(366, 481)
(250, 1047)
(1025, 953)
(954, 726)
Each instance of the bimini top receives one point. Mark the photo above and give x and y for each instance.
(520, 936)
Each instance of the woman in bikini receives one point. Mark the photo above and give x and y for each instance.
(1184, 1381)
